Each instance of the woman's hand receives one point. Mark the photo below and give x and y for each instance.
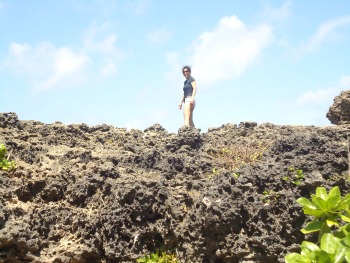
(180, 106)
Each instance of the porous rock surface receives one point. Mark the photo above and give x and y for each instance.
(339, 111)
(105, 194)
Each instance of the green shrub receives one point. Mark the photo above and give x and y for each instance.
(158, 257)
(331, 219)
(5, 164)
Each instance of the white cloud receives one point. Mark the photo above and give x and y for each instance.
(324, 96)
(226, 52)
(100, 40)
(139, 7)
(67, 68)
(158, 36)
(279, 13)
(18, 59)
(109, 68)
(324, 32)
(316, 97)
(96, 40)
(46, 66)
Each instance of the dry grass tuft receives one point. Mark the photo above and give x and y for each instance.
(236, 155)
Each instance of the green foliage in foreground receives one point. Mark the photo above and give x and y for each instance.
(159, 258)
(331, 219)
(297, 176)
(5, 164)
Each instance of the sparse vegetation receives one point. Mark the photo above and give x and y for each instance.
(236, 155)
(5, 164)
(214, 172)
(331, 219)
(236, 175)
(296, 177)
(158, 257)
(270, 196)
(336, 177)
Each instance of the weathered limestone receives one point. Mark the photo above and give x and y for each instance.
(105, 194)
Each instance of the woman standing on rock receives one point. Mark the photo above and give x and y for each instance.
(190, 90)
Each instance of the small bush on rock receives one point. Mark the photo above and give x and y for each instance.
(5, 164)
(331, 219)
(158, 257)
(237, 155)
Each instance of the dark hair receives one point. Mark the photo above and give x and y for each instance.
(186, 67)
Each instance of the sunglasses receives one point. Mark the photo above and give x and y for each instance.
(185, 71)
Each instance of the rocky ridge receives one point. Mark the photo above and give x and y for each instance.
(106, 194)
(339, 111)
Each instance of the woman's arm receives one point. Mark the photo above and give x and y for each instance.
(182, 100)
(194, 86)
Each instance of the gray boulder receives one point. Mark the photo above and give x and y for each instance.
(339, 111)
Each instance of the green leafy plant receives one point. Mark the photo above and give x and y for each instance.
(331, 250)
(213, 173)
(158, 257)
(296, 177)
(331, 219)
(266, 195)
(236, 175)
(329, 209)
(5, 164)
(270, 196)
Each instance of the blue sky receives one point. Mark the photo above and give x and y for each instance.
(119, 62)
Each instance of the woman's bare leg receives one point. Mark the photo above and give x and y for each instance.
(191, 117)
(187, 114)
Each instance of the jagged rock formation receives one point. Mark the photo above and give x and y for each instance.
(105, 194)
(339, 111)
